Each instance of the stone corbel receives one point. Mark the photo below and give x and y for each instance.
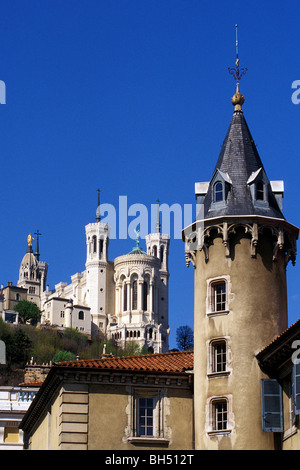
(190, 257)
(279, 243)
(225, 239)
(254, 240)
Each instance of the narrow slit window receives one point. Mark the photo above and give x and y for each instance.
(260, 191)
(134, 295)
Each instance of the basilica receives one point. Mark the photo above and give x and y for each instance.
(122, 300)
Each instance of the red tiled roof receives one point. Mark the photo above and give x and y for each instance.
(281, 336)
(162, 362)
(31, 384)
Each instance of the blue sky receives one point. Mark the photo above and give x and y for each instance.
(133, 96)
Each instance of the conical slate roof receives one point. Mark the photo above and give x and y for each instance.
(238, 164)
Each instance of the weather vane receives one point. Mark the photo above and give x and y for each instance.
(237, 72)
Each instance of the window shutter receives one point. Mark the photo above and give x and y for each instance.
(272, 416)
(296, 388)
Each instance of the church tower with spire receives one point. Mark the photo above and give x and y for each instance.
(240, 246)
(33, 272)
(97, 270)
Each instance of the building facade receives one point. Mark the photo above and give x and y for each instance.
(114, 403)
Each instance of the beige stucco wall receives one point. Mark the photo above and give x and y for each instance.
(257, 314)
(46, 435)
(99, 416)
(110, 419)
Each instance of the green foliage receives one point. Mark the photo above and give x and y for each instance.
(17, 344)
(28, 312)
(24, 342)
(62, 356)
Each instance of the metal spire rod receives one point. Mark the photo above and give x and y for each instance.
(157, 218)
(237, 72)
(98, 215)
(236, 41)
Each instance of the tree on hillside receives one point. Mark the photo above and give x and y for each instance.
(185, 338)
(28, 312)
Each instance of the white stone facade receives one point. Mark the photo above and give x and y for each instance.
(124, 300)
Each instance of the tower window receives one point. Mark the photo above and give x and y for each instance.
(145, 296)
(161, 254)
(94, 244)
(260, 191)
(219, 362)
(134, 295)
(81, 315)
(219, 415)
(124, 296)
(219, 296)
(218, 192)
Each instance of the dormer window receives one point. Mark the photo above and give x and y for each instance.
(220, 186)
(260, 191)
(258, 185)
(218, 192)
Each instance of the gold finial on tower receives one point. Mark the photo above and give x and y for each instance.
(237, 99)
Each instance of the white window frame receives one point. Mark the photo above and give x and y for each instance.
(158, 398)
(211, 295)
(211, 424)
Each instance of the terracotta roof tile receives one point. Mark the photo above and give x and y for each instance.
(162, 362)
(281, 335)
(31, 384)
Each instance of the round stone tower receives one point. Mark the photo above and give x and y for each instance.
(240, 246)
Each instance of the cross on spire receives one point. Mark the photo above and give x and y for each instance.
(37, 254)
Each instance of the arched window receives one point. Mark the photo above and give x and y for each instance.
(145, 296)
(218, 296)
(260, 191)
(218, 192)
(155, 251)
(94, 244)
(81, 315)
(101, 248)
(124, 296)
(219, 414)
(134, 294)
(161, 254)
(218, 356)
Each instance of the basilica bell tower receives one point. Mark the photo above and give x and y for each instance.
(240, 246)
